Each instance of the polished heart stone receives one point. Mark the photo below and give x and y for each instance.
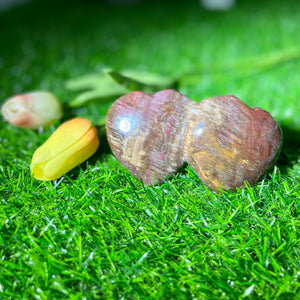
(225, 141)
(228, 143)
(146, 133)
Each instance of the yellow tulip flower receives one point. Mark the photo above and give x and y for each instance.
(71, 144)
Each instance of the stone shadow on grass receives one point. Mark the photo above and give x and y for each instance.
(290, 148)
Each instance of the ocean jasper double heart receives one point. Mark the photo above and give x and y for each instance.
(226, 142)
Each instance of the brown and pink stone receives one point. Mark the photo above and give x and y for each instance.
(226, 142)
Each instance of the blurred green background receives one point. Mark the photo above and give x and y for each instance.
(44, 43)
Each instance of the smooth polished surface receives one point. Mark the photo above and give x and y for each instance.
(237, 143)
(146, 134)
(225, 141)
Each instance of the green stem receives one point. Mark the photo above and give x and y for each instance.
(243, 66)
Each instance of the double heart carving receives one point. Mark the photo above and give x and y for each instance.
(226, 142)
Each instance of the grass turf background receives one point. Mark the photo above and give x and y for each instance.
(98, 233)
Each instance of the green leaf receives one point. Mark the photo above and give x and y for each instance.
(150, 78)
(104, 95)
(111, 84)
(146, 82)
(89, 81)
(99, 87)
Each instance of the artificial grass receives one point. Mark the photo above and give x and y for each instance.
(99, 233)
